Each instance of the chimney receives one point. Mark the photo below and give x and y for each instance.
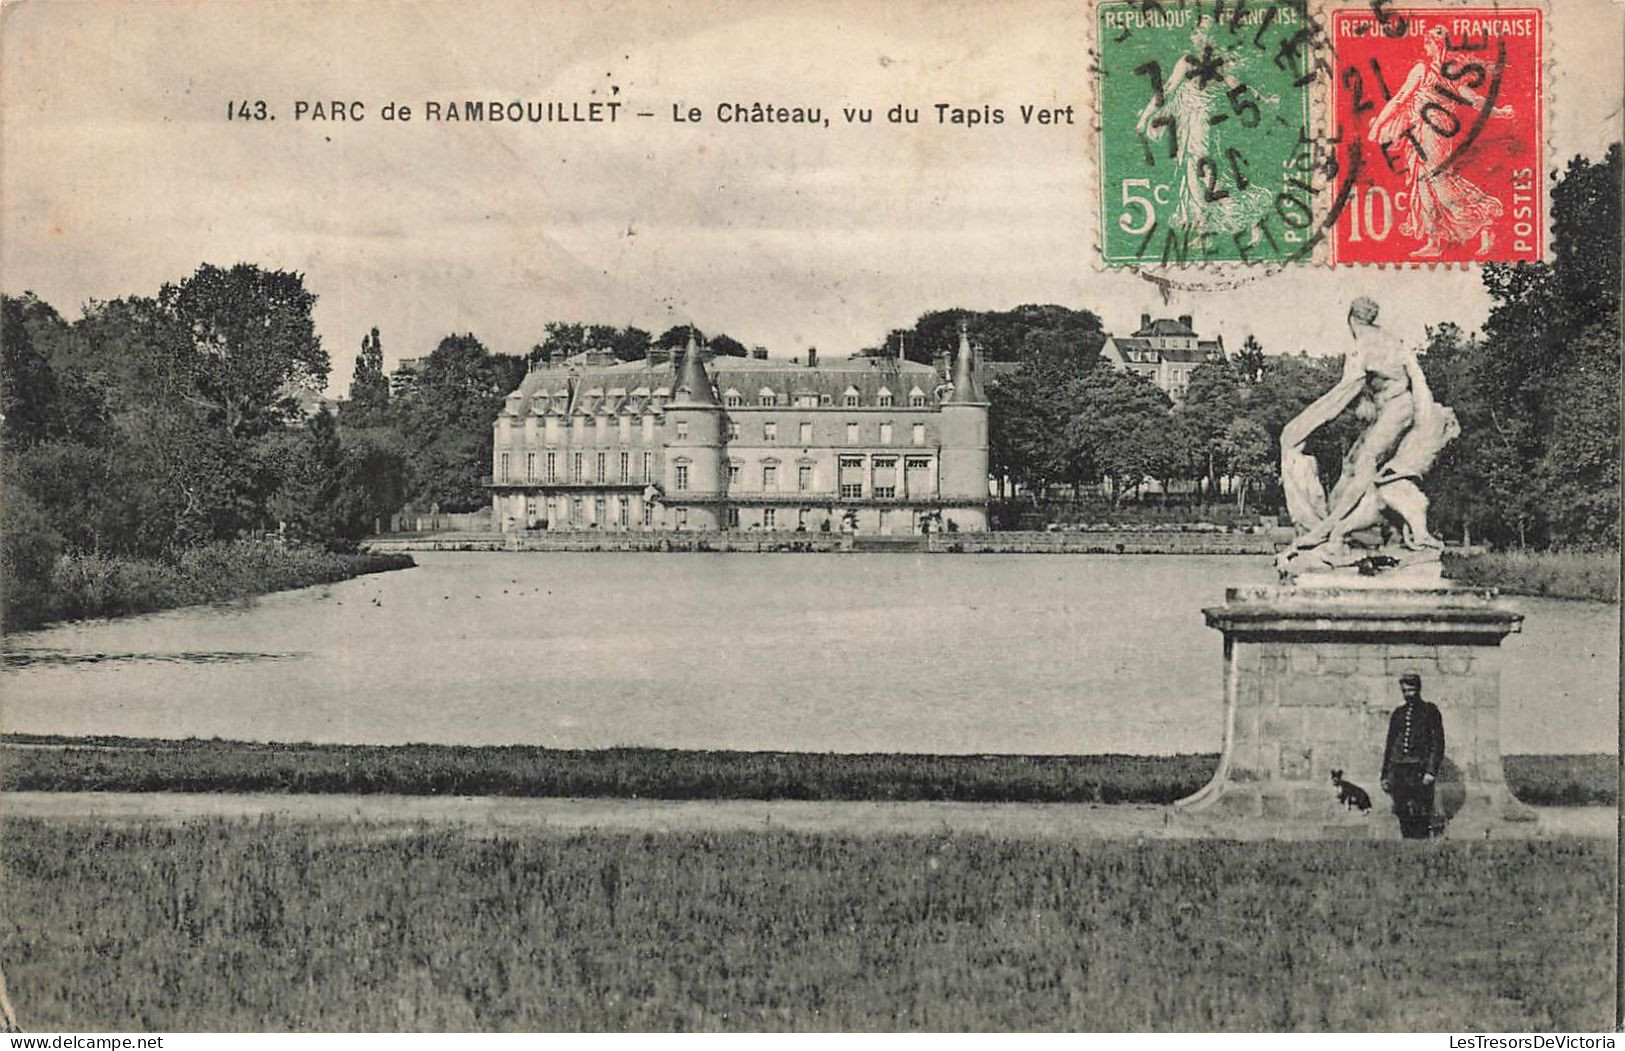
(812, 357)
(759, 353)
(1145, 321)
(1185, 319)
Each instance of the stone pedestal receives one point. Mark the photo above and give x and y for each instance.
(1311, 676)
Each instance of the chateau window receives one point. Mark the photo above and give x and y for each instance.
(825, 399)
(680, 477)
(806, 433)
(770, 518)
(850, 399)
(851, 434)
(916, 398)
(884, 400)
(576, 514)
(648, 514)
(919, 434)
(732, 399)
(770, 431)
(885, 434)
(502, 474)
(682, 429)
(603, 471)
(530, 467)
(648, 472)
(598, 510)
(885, 478)
(801, 518)
(806, 401)
(733, 430)
(733, 518)
(851, 477)
(770, 476)
(575, 467)
(766, 397)
(682, 518)
(623, 512)
(626, 469)
(804, 477)
(733, 474)
(552, 466)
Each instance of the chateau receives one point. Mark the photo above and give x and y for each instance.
(1165, 351)
(871, 444)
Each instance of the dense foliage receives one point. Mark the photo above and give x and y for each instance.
(276, 926)
(152, 427)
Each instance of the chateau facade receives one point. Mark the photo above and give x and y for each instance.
(1165, 351)
(876, 445)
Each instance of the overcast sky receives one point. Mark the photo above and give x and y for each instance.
(119, 170)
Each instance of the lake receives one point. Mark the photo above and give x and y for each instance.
(884, 652)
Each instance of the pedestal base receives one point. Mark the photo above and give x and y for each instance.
(1311, 677)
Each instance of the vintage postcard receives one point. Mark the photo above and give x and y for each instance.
(925, 516)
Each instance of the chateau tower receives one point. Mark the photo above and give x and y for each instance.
(694, 489)
(964, 488)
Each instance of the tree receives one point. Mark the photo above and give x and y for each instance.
(254, 341)
(1212, 401)
(727, 346)
(1117, 428)
(369, 387)
(1249, 361)
(447, 423)
(1251, 454)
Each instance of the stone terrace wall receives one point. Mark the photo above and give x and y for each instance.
(1107, 542)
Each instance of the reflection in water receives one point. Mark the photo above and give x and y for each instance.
(39, 656)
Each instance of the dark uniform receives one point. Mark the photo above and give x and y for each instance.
(1415, 750)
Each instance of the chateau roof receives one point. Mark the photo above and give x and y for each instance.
(593, 388)
(1165, 326)
(1141, 351)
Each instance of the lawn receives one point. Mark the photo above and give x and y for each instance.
(277, 925)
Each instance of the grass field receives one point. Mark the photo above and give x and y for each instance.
(1590, 575)
(271, 925)
(32, 763)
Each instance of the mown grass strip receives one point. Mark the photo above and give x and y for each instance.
(1591, 575)
(277, 926)
(114, 764)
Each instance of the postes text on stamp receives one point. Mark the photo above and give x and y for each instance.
(1445, 108)
(1204, 131)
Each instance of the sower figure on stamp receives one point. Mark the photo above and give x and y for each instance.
(1411, 758)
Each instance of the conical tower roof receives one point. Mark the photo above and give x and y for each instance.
(967, 376)
(693, 386)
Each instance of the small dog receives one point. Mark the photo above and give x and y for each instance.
(1350, 794)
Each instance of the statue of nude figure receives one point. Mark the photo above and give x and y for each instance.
(1405, 432)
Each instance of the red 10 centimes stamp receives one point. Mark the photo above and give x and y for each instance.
(1446, 108)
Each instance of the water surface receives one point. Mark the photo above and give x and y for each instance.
(885, 652)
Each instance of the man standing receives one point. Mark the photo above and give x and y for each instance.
(1411, 759)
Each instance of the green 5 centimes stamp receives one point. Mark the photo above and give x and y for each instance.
(1205, 151)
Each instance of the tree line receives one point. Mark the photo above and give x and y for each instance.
(154, 423)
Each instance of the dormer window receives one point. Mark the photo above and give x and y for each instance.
(765, 396)
(850, 399)
(916, 398)
(884, 399)
(732, 399)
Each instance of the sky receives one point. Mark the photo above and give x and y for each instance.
(119, 170)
